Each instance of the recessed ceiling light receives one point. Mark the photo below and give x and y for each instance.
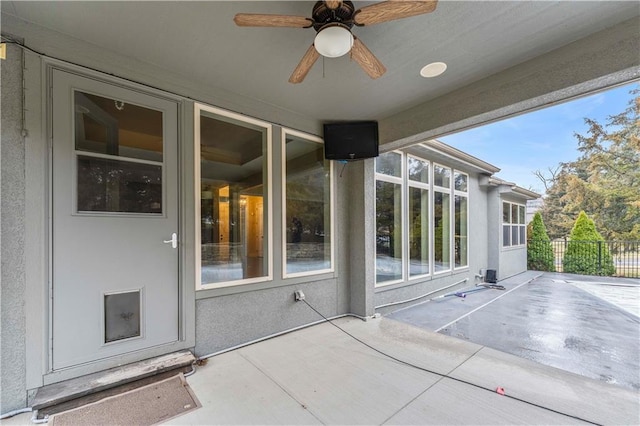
(433, 70)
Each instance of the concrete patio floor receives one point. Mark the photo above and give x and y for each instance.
(320, 375)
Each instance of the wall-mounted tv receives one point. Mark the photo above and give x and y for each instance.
(350, 140)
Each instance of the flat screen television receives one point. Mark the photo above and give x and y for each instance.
(354, 140)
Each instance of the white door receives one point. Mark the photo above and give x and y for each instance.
(115, 211)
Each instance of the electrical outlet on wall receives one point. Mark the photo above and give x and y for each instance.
(298, 295)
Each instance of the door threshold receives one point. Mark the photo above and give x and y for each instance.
(68, 390)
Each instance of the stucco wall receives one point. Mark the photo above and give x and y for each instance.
(12, 211)
(513, 261)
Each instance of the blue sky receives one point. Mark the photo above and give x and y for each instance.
(539, 139)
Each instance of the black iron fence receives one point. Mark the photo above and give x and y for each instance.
(604, 258)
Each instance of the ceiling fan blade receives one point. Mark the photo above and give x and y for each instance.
(305, 65)
(392, 9)
(265, 20)
(367, 61)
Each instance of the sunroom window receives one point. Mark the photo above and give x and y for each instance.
(419, 202)
(461, 219)
(389, 220)
(233, 197)
(441, 218)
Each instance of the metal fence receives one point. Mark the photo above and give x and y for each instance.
(605, 258)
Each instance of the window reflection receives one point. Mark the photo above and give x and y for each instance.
(388, 231)
(308, 207)
(233, 195)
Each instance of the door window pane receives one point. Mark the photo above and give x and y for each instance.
(388, 231)
(113, 127)
(418, 231)
(233, 199)
(117, 186)
(441, 231)
(461, 235)
(308, 207)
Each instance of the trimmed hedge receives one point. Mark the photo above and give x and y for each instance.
(587, 253)
(539, 250)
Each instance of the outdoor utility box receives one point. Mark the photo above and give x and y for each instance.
(492, 276)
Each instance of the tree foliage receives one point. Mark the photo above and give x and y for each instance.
(604, 180)
(539, 250)
(586, 252)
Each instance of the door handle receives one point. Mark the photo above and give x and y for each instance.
(173, 241)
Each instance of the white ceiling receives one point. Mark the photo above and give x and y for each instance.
(198, 40)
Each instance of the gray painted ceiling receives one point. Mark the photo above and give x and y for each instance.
(199, 40)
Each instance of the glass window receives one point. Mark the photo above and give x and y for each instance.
(506, 213)
(461, 234)
(233, 198)
(441, 231)
(506, 235)
(418, 170)
(460, 181)
(389, 164)
(388, 231)
(418, 231)
(308, 206)
(514, 228)
(441, 176)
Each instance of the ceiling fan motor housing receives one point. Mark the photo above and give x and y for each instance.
(323, 16)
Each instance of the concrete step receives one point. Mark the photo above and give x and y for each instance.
(58, 393)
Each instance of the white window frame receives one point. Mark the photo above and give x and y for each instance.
(316, 139)
(399, 181)
(449, 192)
(198, 109)
(511, 224)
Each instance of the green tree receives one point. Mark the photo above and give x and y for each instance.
(539, 250)
(587, 253)
(604, 180)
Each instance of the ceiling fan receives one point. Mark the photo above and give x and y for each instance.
(333, 20)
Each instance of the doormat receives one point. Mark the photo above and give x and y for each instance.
(147, 405)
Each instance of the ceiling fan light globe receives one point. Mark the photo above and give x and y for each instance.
(333, 42)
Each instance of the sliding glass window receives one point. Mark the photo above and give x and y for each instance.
(232, 198)
(308, 207)
(389, 218)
